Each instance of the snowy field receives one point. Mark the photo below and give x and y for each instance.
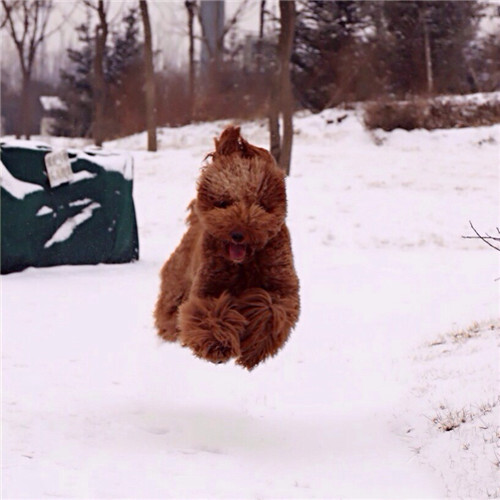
(387, 388)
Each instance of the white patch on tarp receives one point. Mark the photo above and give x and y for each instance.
(65, 231)
(80, 203)
(45, 210)
(18, 189)
(82, 176)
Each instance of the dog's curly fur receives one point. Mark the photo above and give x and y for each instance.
(230, 289)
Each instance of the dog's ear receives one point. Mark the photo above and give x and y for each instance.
(230, 142)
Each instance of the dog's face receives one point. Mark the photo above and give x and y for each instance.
(241, 201)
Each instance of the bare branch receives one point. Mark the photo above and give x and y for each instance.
(64, 20)
(10, 9)
(234, 20)
(484, 238)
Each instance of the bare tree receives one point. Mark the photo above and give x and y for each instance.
(281, 98)
(150, 86)
(215, 29)
(231, 23)
(26, 22)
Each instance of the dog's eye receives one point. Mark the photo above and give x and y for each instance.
(222, 203)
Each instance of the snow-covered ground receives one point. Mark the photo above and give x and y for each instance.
(386, 388)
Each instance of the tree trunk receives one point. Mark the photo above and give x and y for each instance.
(274, 119)
(212, 13)
(99, 90)
(427, 51)
(262, 18)
(25, 128)
(260, 43)
(287, 10)
(281, 98)
(190, 6)
(150, 78)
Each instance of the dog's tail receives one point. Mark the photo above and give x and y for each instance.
(230, 142)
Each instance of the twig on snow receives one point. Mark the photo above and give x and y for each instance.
(484, 238)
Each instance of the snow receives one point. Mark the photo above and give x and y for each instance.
(81, 175)
(115, 160)
(17, 188)
(67, 228)
(52, 103)
(45, 210)
(460, 415)
(9, 142)
(95, 406)
(477, 98)
(79, 203)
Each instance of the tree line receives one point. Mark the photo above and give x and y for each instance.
(305, 54)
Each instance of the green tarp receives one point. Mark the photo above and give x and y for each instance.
(89, 220)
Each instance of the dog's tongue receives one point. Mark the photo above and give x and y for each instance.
(237, 252)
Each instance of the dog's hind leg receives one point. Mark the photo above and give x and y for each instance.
(175, 288)
(166, 316)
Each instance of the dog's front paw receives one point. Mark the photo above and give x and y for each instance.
(211, 328)
(250, 358)
(268, 326)
(214, 350)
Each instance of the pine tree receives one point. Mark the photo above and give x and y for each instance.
(76, 88)
(426, 45)
(123, 73)
(326, 39)
(126, 50)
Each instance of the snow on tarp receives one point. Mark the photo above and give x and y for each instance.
(82, 175)
(25, 144)
(44, 211)
(112, 161)
(18, 189)
(66, 230)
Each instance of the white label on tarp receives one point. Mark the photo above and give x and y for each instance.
(58, 167)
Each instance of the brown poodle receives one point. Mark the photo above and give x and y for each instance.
(230, 289)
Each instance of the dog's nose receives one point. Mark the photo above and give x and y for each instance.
(237, 236)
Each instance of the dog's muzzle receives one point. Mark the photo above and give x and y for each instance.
(237, 252)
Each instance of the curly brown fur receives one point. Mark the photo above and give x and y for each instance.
(230, 289)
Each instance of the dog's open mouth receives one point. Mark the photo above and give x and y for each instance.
(237, 252)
